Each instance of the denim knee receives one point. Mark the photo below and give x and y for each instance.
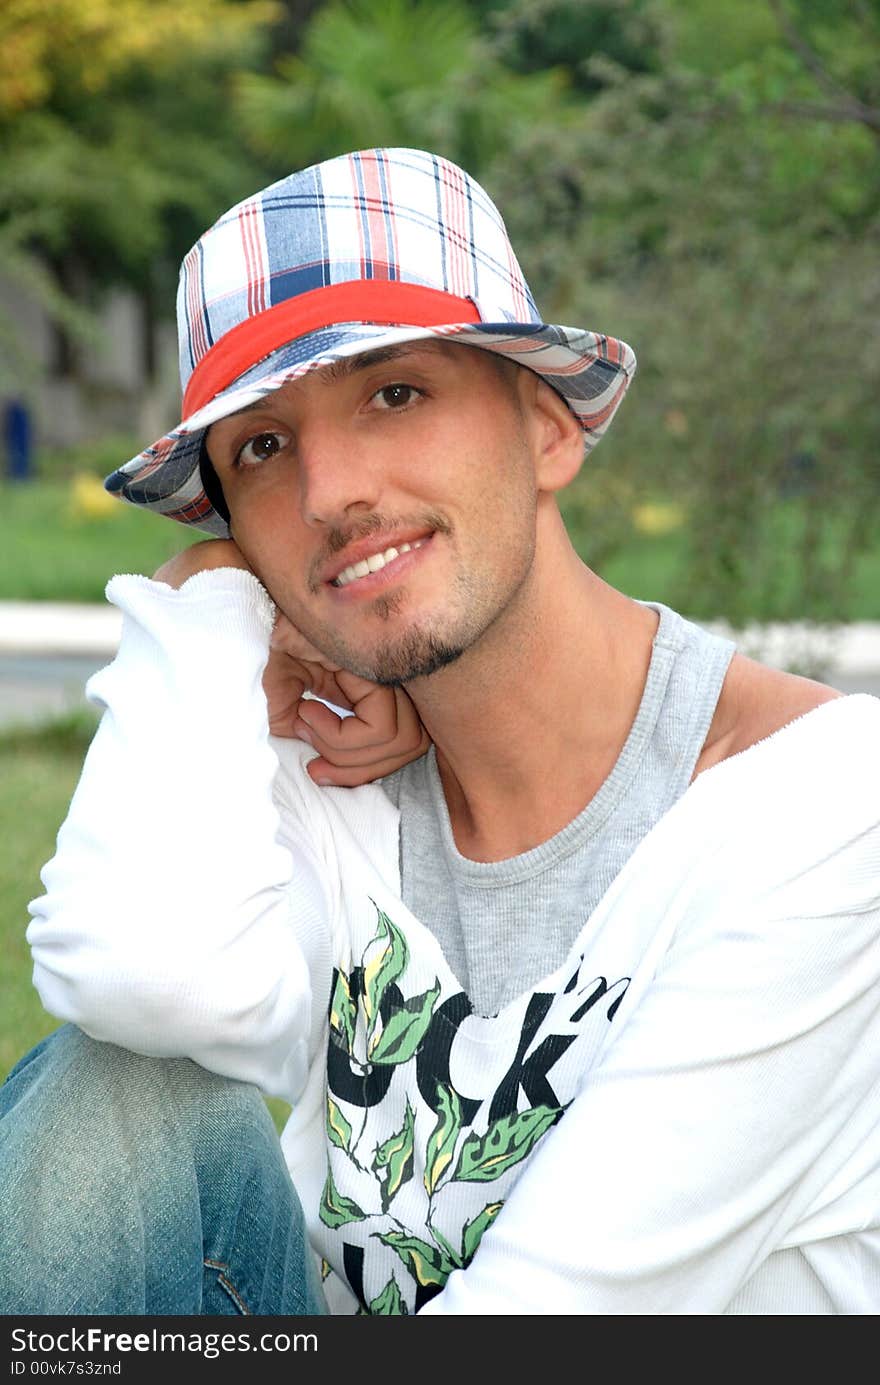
(142, 1185)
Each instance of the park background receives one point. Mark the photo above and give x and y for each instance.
(699, 177)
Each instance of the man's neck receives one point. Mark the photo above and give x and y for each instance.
(529, 722)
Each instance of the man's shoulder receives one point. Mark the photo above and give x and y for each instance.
(814, 779)
(756, 702)
(793, 816)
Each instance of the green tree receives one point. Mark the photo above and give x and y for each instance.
(119, 144)
(570, 34)
(710, 210)
(701, 177)
(407, 72)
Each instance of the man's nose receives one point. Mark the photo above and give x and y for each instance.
(337, 474)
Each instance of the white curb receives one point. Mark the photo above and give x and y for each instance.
(44, 627)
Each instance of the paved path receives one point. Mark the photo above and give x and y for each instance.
(47, 652)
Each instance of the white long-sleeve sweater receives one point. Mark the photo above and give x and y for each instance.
(683, 1118)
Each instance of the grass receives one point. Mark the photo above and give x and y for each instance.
(62, 542)
(39, 769)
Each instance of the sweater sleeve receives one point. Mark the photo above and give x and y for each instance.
(174, 922)
(737, 1111)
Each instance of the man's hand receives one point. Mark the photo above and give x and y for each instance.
(382, 734)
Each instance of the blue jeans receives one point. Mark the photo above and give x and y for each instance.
(134, 1185)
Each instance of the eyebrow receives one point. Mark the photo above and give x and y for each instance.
(350, 365)
(347, 366)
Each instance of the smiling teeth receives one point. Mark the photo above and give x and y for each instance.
(372, 564)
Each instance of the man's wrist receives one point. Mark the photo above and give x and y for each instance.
(209, 608)
(200, 557)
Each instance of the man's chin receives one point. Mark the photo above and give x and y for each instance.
(391, 677)
(417, 655)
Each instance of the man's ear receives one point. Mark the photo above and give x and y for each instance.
(557, 436)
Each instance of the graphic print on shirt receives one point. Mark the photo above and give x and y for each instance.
(428, 1104)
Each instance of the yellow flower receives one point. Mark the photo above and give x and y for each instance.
(89, 500)
(657, 517)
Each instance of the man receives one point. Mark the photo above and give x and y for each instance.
(578, 1011)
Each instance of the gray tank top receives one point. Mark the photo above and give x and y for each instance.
(505, 924)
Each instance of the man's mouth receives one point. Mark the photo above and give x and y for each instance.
(374, 563)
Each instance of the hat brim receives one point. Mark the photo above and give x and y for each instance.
(590, 371)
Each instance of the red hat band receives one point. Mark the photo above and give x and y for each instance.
(385, 302)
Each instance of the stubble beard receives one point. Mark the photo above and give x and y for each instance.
(422, 650)
(416, 653)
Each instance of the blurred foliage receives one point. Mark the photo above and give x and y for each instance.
(700, 177)
(398, 72)
(567, 33)
(57, 50)
(119, 144)
(720, 211)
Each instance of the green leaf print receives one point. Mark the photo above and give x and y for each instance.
(405, 1029)
(338, 1128)
(472, 1232)
(390, 1302)
(382, 965)
(441, 1144)
(426, 1263)
(396, 1156)
(486, 1157)
(336, 1210)
(343, 1011)
(447, 1249)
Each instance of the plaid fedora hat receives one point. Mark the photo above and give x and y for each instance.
(365, 250)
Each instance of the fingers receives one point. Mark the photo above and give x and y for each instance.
(295, 666)
(382, 735)
(285, 680)
(350, 776)
(381, 715)
(287, 638)
(323, 684)
(383, 720)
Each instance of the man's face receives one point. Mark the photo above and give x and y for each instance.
(387, 504)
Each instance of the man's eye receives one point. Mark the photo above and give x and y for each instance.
(260, 448)
(395, 396)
